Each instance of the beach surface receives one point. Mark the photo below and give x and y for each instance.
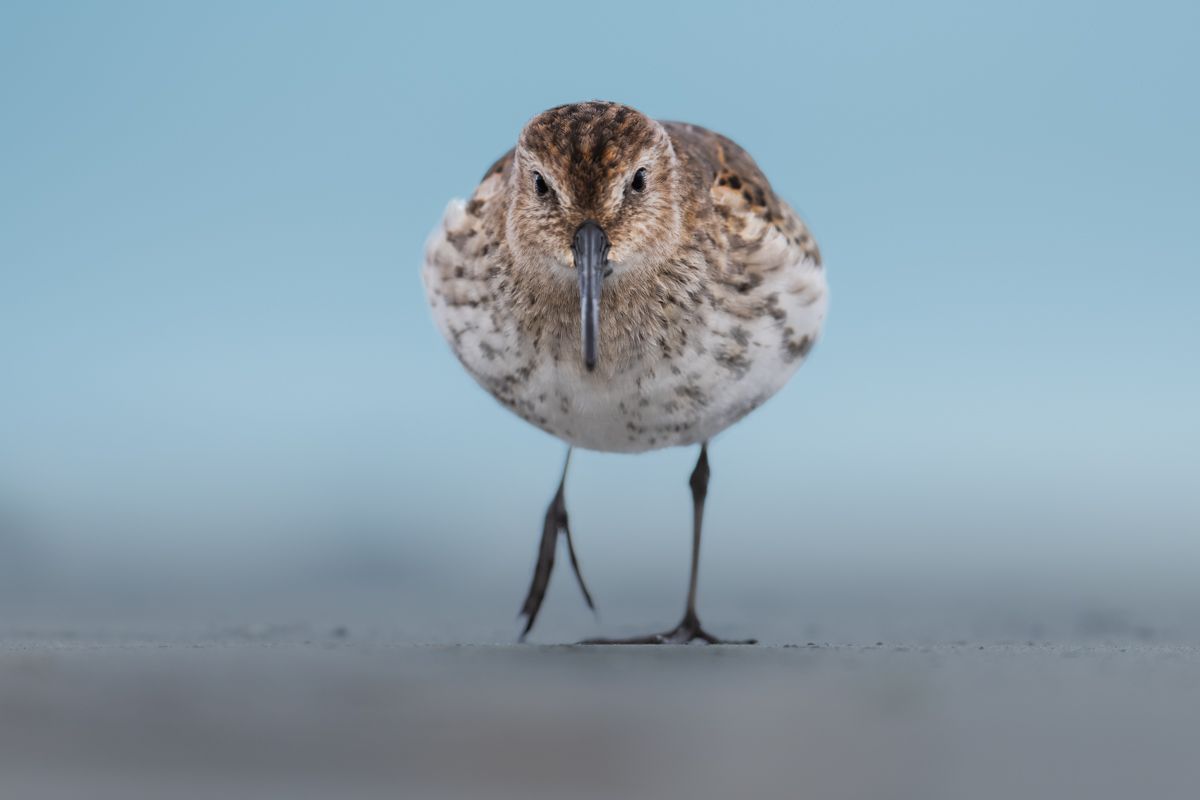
(300, 713)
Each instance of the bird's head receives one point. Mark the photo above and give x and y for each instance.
(594, 198)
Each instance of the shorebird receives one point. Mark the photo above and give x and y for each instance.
(625, 284)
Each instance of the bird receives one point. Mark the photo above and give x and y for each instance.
(625, 284)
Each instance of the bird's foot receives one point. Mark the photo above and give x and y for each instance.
(688, 630)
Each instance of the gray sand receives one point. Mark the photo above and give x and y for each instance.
(333, 714)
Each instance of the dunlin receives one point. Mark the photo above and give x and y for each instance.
(625, 284)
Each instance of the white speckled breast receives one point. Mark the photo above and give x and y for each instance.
(733, 361)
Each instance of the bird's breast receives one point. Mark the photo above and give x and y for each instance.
(730, 366)
(726, 356)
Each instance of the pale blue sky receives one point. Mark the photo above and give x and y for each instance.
(213, 340)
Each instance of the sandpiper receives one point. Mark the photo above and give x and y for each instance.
(625, 284)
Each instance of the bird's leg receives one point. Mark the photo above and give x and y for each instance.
(689, 628)
(556, 521)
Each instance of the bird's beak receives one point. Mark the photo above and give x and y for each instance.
(590, 249)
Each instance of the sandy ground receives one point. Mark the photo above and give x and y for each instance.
(262, 713)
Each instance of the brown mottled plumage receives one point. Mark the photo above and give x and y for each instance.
(714, 292)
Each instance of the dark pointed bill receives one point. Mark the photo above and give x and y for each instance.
(590, 249)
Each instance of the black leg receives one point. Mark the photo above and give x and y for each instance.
(699, 484)
(556, 520)
(689, 629)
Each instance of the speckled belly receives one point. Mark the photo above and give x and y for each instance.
(734, 360)
(732, 367)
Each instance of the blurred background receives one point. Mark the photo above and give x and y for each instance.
(223, 403)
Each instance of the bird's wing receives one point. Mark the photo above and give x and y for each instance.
(756, 219)
(461, 255)
(457, 248)
(768, 249)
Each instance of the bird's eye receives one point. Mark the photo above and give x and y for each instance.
(639, 180)
(539, 183)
